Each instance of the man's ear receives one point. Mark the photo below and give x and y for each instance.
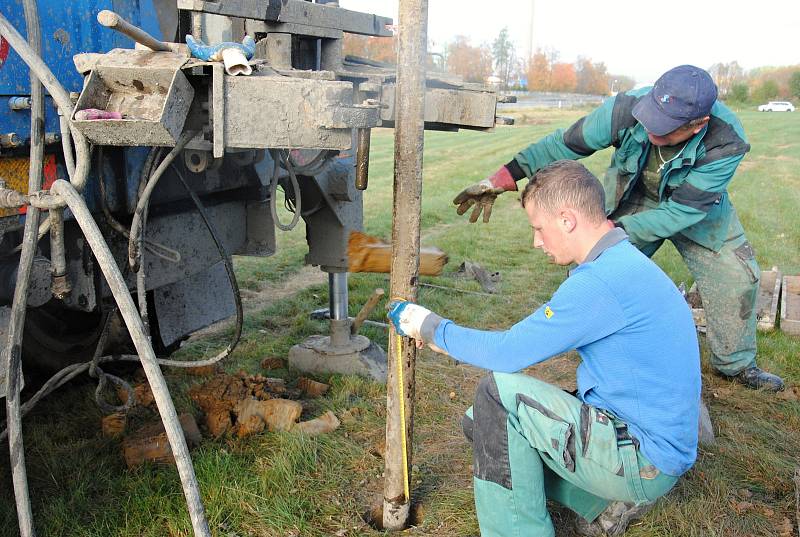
(567, 220)
(700, 126)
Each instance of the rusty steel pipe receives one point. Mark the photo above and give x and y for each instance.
(406, 213)
(362, 158)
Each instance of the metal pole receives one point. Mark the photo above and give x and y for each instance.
(406, 211)
(337, 289)
(338, 302)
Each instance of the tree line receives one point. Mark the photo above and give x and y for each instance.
(478, 63)
(499, 61)
(757, 85)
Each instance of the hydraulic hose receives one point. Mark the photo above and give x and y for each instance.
(12, 353)
(312, 165)
(68, 193)
(273, 191)
(66, 144)
(133, 322)
(157, 249)
(135, 241)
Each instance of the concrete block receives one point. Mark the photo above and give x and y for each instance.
(790, 305)
(769, 293)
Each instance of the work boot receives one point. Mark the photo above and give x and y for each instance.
(758, 379)
(613, 521)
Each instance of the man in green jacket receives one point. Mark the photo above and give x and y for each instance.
(676, 150)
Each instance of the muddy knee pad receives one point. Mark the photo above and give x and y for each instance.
(490, 435)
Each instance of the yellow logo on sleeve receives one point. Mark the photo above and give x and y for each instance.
(548, 312)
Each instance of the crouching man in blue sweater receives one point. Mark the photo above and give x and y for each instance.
(631, 429)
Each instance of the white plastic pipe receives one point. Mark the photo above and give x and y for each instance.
(235, 62)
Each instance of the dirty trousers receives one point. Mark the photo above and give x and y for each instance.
(532, 442)
(728, 284)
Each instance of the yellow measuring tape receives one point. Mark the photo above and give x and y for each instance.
(403, 441)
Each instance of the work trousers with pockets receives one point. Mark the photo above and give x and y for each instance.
(533, 441)
(728, 284)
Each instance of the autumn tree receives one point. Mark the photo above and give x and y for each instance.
(473, 64)
(780, 78)
(563, 77)
(592, 77)
(539, 72)
(379, 49)
(546, 73)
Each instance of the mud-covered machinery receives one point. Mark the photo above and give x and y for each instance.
(304, 102)
(178, 164)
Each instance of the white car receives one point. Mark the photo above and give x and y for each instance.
(776, 106)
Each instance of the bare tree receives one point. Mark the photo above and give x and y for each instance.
(725, 75)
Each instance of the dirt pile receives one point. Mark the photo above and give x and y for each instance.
(240, 405)
(245, 404)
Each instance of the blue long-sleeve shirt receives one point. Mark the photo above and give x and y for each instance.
(635, 335)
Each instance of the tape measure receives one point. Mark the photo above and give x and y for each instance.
(401, 394)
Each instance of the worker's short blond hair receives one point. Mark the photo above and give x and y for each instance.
(566, 184)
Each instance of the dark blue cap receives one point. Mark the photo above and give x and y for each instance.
(679, 96)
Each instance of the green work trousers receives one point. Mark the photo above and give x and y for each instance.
(533, 441)
(728, 285)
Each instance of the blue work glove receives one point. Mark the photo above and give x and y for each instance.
(213, 53)
(414, 321)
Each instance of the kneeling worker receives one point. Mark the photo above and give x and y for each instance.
(631, 429)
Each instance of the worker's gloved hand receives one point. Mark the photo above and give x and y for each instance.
(414, 321)
(482, 194)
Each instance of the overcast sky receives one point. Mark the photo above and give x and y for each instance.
(634, 38)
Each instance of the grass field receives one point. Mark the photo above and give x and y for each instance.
(280, 484)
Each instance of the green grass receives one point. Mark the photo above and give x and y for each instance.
(281, 484)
